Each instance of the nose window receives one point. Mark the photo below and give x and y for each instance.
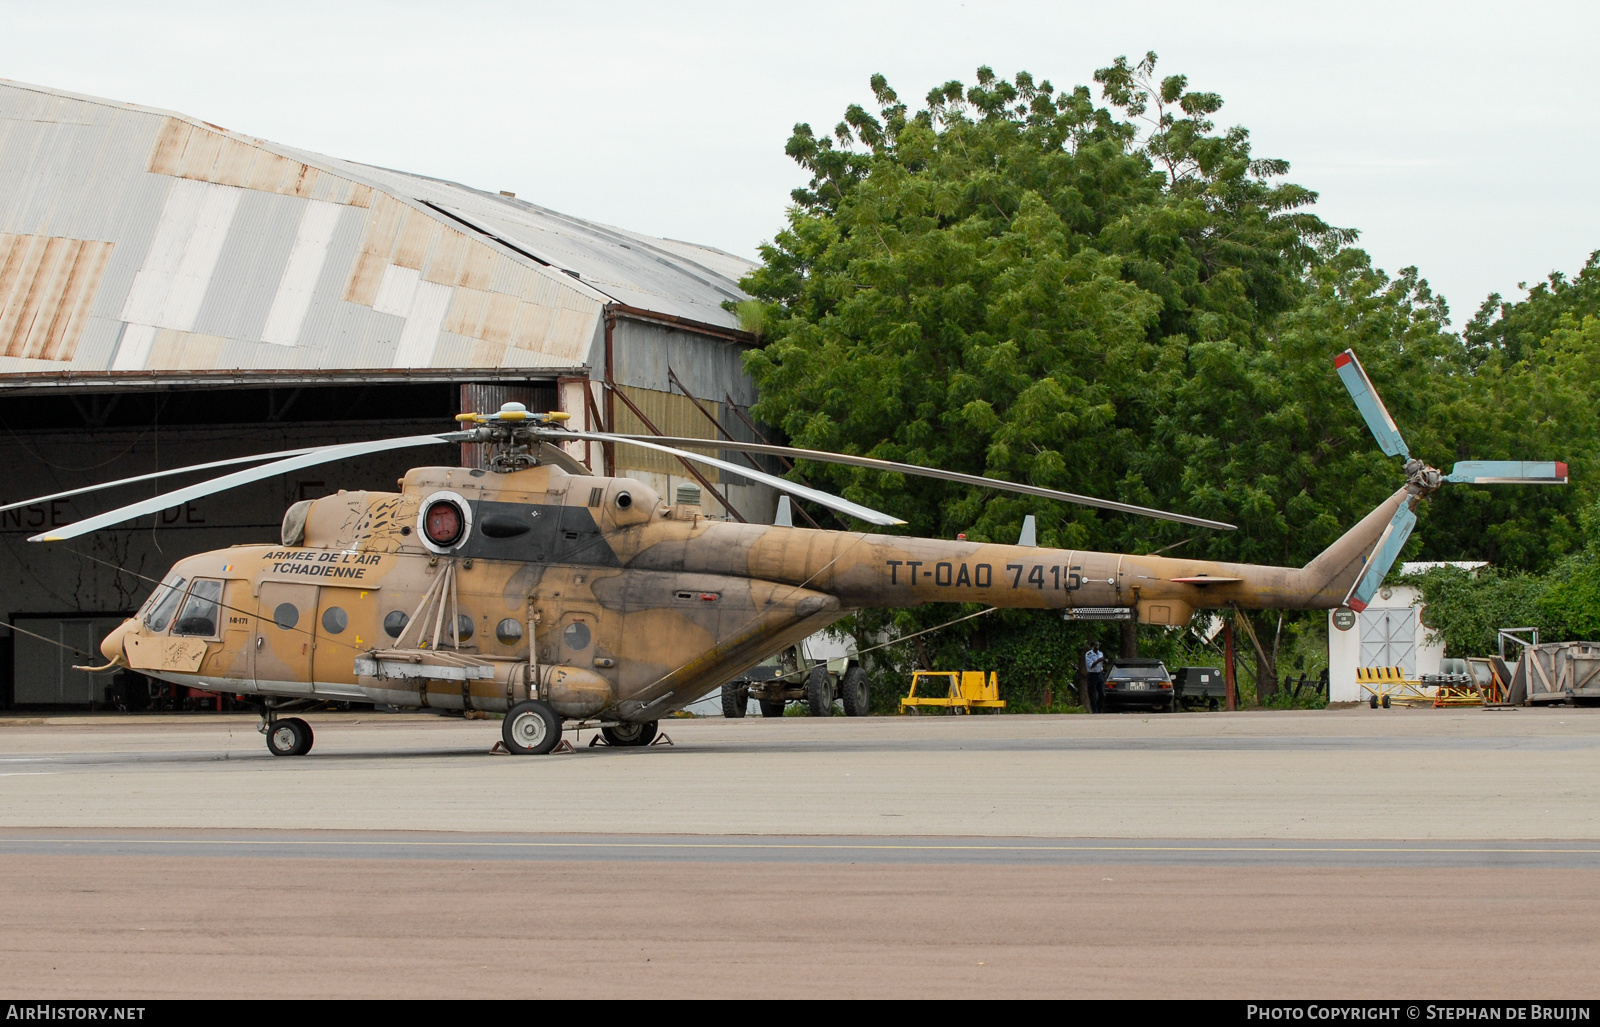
(163, 605)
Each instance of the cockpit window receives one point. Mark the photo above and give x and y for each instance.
(199, 616)
(162, 602)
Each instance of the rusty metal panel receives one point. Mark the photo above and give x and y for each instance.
(47, 286)
(674, 415)
(448, 255)
(413, 240)
(197, 257)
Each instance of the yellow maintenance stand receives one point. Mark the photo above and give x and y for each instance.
(965, 691)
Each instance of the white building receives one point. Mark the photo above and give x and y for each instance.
(1388, 633)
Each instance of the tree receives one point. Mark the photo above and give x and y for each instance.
(1116, 299)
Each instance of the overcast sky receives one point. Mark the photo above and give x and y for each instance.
(1459, 137)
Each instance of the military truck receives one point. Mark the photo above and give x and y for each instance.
(817, 671)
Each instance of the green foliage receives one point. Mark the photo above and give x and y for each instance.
(1517, 329)
(1467, 611)
(1117, 298)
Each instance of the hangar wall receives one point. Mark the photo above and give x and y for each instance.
(146, 255)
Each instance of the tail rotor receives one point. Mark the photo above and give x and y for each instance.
(1421, 480)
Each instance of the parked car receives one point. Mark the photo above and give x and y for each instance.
(1141, 683)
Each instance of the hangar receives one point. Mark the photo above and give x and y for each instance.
(173, 292)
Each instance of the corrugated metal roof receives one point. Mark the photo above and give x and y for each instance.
(662, 275)
(134, 240)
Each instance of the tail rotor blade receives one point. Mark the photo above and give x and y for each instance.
(1372, 409)
(1509, 472)
(322, 455)
(1384, 554)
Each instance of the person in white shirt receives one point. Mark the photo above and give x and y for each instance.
(1094, 663)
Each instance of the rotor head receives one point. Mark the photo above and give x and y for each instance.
(512, 434)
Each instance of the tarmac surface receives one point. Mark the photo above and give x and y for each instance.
(1348, 853)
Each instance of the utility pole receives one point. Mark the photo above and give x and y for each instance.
(1227, 663)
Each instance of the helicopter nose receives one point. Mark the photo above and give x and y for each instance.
(111, 645)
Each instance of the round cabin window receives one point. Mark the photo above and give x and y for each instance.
(508, 631)
(334, 620)
(395, 623)
(443, 523)
(464, 626)
(286, 616)
(576, 636)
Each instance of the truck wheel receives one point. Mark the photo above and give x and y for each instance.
(626, 736)
(854, 690)
(735, 697)
(819, 692)
(771, 707)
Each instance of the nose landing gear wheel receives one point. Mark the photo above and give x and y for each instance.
(531, 728)
(630, 735)
(289, 737)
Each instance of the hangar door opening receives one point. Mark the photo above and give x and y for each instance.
(61, 437)
(44, 674)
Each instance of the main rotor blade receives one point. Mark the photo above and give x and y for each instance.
(934, 472)
(321, 455)
(832, 502)
(1372, 409)
(158, 474)
(1382, 558)
(1506, 472)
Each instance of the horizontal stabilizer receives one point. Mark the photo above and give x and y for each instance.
(1509, 472)
(1384, 554)
(1372, 409)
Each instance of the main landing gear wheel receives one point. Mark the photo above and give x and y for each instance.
(630, 735)
(771, 707)
(853, 690)
(819, 692)
(531, 728)
(289, 737)
(735, 697)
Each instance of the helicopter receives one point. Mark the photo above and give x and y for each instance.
(538, 590)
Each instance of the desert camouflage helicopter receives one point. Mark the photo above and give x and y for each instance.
(536, 589)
